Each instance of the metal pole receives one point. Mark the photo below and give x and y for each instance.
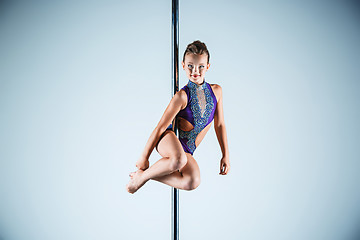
(175, 89)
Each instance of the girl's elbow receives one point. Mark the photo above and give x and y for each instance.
(217, 122)
(160, 128)
(219, 125)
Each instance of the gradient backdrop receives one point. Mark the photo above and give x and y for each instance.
(84, 83)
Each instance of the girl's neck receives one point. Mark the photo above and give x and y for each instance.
(196, 86)
(199, 85)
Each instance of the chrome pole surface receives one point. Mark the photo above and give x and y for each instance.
(175, 89)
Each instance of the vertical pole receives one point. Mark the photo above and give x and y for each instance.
(175, 89)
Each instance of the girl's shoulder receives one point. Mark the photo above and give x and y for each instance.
(215, 86)
(181, 96)
(217, 90)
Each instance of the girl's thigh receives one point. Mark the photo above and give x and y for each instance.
(169, 145)
(191, 169)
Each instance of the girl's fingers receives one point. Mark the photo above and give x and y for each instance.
(224, 168)
(227, 169)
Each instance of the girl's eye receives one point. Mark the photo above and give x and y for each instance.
(201, 66)
(189, 66)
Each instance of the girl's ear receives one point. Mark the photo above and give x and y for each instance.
(183, 64)
(208, 66)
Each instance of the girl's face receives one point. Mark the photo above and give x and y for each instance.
(195, 67)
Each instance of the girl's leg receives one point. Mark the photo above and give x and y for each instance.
(165, 170)
(173, 158)
(187, 178)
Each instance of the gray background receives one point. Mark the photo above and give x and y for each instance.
(83, 84)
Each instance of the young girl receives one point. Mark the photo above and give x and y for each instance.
(194, 106)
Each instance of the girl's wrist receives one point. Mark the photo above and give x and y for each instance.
(226, 155)
(144, 156)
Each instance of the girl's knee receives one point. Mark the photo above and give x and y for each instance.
(178, 161)
(192, 183)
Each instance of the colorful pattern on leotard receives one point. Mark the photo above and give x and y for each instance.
(199, 111)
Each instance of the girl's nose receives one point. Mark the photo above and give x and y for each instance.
(195, 70)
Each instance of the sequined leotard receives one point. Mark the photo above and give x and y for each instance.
(199, 111)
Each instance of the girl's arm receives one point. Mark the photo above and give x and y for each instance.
(178, 102)
(220, 129)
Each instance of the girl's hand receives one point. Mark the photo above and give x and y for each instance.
(224, 166)
(142, 163)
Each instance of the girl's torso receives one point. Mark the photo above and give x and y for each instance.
(195, 119)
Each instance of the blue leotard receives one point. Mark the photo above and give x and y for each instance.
(199, 111)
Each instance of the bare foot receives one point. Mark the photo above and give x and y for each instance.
(136, 181)
(132, 174)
